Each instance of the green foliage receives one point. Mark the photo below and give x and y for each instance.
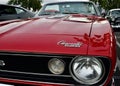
(108, 4)
(35, 4)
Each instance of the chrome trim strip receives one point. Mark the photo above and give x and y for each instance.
(37, 55)
(34, 73)
(115, 26)
(37, 81)
(1, 84)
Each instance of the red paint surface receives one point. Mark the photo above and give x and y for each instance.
(42, 35)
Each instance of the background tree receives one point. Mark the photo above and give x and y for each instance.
(34, 4)
(108, 4)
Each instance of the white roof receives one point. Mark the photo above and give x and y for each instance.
(51, 1)
(115, 9)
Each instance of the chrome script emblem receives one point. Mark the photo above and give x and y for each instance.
(2, 63)
(72, 45)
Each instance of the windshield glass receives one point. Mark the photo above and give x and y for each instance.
(68, 8)
(116, 13)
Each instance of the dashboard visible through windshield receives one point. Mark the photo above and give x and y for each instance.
(69, 8)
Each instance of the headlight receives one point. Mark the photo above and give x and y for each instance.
(113, 19)
(56, 66)
(87, 70)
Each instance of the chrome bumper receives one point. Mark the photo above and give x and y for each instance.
(6, 85)
(115, 26)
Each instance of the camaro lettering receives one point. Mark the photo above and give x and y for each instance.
(65, 44)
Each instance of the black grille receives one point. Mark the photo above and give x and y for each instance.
(117, 20)
(34, 67)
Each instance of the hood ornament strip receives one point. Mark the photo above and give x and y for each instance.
(71, 45)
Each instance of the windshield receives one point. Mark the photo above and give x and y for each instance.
(69, 8)
(115, 13)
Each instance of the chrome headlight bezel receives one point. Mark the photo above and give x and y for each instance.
(113, 19)
(91, 82)
(56, 66)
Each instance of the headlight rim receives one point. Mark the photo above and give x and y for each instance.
(77, 80)
(54, 72)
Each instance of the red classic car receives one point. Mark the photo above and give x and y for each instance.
(66, 44)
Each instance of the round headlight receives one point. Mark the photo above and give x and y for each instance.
(113, 19)
(56, 66)
(87, 70)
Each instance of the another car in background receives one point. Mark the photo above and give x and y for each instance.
(8, 12)
(114, 17)
(67, 44)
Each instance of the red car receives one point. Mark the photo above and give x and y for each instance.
(67, 44)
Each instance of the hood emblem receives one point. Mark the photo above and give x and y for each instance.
(72, 45)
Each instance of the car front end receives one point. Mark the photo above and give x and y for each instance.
(72, 50)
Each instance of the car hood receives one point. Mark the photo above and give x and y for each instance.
(66, 35)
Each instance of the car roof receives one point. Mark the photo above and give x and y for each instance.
(115, 9)
(9, 5)
(13, 6)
